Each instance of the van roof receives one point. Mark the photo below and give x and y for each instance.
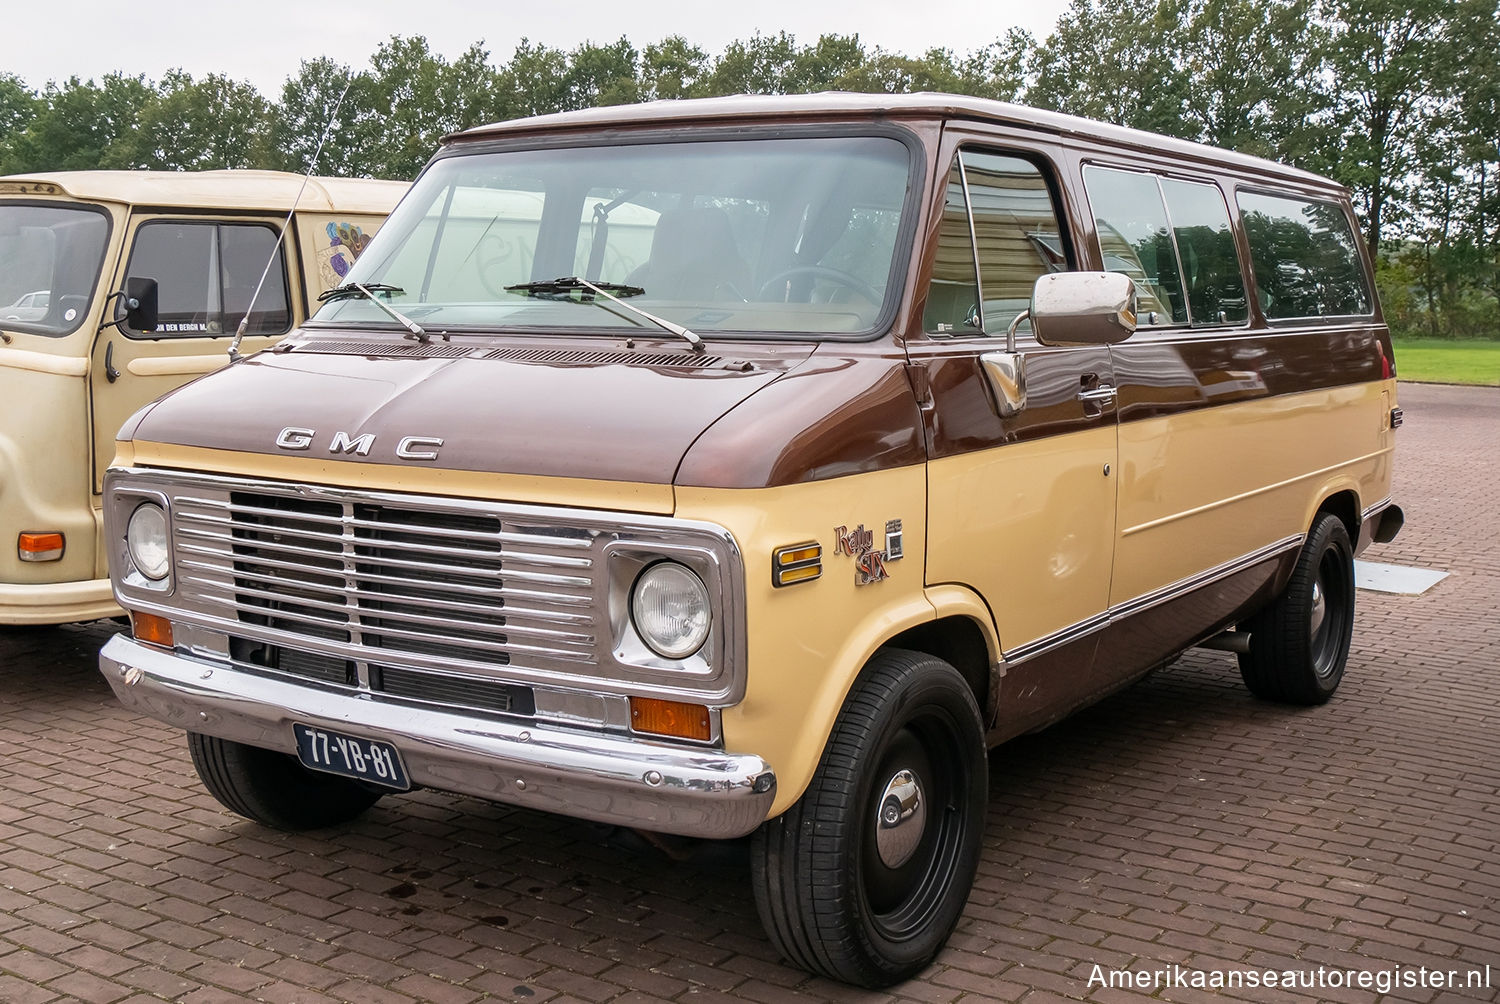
(233, 189)
(830, 104)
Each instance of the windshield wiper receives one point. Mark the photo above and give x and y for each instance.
(349, 289)
(573, 284)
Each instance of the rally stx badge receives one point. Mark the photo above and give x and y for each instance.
(870, 565)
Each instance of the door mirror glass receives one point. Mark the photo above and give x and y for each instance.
(140, 303)
(1083, 308)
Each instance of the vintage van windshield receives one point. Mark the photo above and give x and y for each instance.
(768, 235)
(49, 262)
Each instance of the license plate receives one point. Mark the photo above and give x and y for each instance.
(337, 753)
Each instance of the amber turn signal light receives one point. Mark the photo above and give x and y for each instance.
(39, 546)
(670, 718)
(152, 629)
(797, 563)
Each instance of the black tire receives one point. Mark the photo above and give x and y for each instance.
(1300, 642)
(843, 896)
(273, 788)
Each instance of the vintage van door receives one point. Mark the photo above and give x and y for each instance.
(1020, 508)
(207, 268)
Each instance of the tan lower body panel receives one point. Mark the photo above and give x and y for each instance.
(1208, 486)
(807, 642)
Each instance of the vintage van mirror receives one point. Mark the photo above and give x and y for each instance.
(1083, 308)
(140, 303)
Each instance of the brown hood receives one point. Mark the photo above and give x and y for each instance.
(606, 412)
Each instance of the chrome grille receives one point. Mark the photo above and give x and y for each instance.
(387, 583)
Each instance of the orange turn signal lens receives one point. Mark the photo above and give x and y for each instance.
(670, 718)
(152, 629)
(40, 546)
(797, 563)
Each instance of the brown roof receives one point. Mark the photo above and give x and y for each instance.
(841, 104)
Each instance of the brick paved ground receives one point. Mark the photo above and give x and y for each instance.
(1179, 822)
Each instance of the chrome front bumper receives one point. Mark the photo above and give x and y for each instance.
(629, 782)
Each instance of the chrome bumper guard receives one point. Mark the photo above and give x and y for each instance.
(636, 783)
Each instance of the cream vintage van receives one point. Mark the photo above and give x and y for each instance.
(916, 423)
(73, 366)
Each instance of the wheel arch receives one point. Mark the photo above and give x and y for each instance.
(1343, 502)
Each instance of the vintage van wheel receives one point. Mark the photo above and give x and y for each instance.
(1300, 642)
(865, 877)
(273, 788)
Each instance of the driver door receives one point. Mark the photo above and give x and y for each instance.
(207, 269)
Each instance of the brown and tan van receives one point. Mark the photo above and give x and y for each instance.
(752, 465)
(76, 361)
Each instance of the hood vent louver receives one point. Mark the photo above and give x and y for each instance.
(600, 357)
(555, 357)
(389, 350)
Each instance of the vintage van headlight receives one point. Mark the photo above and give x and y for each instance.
(670, 608)
(146, 539)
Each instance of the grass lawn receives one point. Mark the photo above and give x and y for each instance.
(1437, 361)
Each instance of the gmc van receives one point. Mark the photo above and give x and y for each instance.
(73, 365)
(751, 466)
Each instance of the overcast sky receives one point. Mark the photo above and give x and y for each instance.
(264, 41)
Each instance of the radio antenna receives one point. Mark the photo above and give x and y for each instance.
(239, 333)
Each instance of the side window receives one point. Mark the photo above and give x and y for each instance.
(1210, 263)
(1135, 238)
(953, 296)
(207, 273)
(1010, 227)
(1306, 262)
(1016, 234)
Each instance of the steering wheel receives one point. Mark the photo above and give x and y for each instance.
(851, 282)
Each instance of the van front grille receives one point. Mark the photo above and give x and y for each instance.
(391, 585)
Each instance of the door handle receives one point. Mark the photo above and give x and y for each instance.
(1101, 394)
(110, 373)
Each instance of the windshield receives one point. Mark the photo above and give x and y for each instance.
(770, 235)
(49, 261)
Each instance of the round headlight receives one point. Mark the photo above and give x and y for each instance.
(670, 610)
(146, 537)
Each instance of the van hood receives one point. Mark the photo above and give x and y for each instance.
(609, 411)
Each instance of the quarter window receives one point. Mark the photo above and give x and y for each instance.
(1010, 234)
(206, 274)
(1306, 261)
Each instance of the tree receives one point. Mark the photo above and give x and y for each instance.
(602, 75)
(324, 99)
(672, 68)
(534, 82)
(80, 126)
(1115, 60)
(200, 125)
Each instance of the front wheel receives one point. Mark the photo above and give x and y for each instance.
(865, 877)
(1300, 642)
(273, 788)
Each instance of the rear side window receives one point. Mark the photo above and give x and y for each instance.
(1306, 262)
(1174, 239)
(206, 274)
(999, 234)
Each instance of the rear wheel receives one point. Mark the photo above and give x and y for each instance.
(273, 788)
(1300, 642)
(865, 877)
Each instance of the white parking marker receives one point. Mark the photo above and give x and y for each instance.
(1400, 579)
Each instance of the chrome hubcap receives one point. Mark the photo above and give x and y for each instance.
(1319, 607)
(900, 819)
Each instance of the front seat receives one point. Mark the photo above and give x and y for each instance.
(694, 257)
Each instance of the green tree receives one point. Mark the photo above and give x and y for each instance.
(329, 99)
(83, 125)
(672, 68)
(602, 75)
(1115, 60)
(190, 125)
(534, 82)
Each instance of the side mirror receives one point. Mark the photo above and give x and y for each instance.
(1083, 308)
(140, 303)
